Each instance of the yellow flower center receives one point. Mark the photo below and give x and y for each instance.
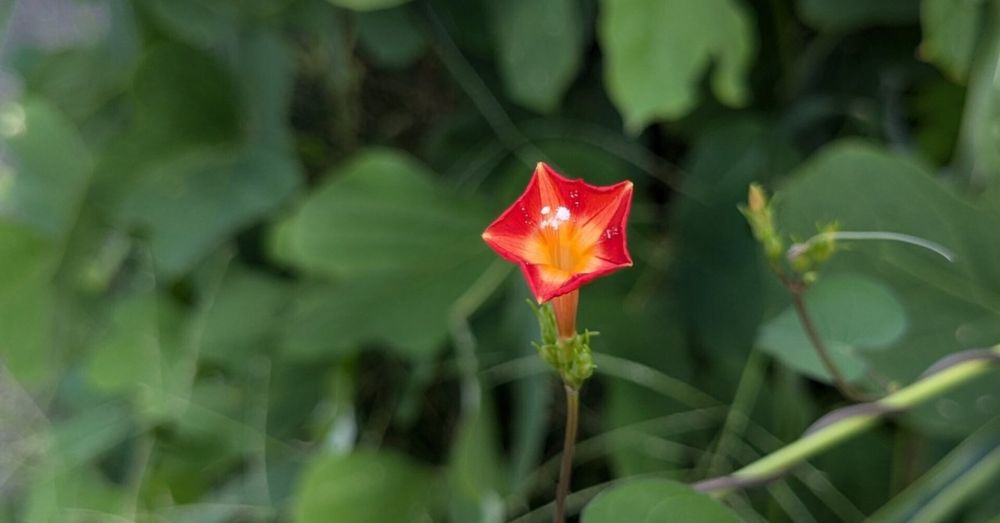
(558, 245)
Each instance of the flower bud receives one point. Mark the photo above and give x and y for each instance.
(756, 199)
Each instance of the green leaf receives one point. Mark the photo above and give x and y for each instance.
(42, 188)
(475, 470)
(950, 306)
(266, 72)
(66, 494)
(532, 394)
(81, 80)
(653, 501)
(367, 5)
(391, 38)
(650, 335)
(409, 311)
(364, 487)
(540, 47)
(193, 202)
(849, 15)
(221, 426)
(184, 100)
(184, 97)
(380, 213)
(978, 156)
(23, 440)
(970, 469)
(27, 308)
(50, 166)
(851, 312)
(718, 265)
(402, 249)
(242, 319)
(89, 434)
(201, 23)
(658, 50)
(937, 120)
(63, 479)
(145, 356)
(950, 30)
(170, 179)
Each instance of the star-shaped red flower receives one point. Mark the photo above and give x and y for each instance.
(563, 233)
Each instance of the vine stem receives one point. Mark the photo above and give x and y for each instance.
(805, 319)
(847, 422)
(569, 444)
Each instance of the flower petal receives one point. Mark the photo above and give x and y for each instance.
(547, 282)
(563, 233)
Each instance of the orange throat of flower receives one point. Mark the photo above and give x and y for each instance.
(560, 247)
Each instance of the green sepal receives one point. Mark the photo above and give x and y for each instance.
(760, 216)
(806, 258)
(570, 357)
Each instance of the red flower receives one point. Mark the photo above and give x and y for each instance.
(563, 233)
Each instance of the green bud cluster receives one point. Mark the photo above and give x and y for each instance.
(759, 214)
(570, 357)
(804, 258)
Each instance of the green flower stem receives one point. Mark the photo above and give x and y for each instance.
(569, 444)
(850, 421)
(571, 357)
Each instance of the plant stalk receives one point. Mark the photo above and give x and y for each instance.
(847, 422)
(569, 444)
(805, 319)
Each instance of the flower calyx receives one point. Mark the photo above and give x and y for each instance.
(570, 356)
(807, 257)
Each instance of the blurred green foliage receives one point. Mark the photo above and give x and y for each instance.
(241, 277)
